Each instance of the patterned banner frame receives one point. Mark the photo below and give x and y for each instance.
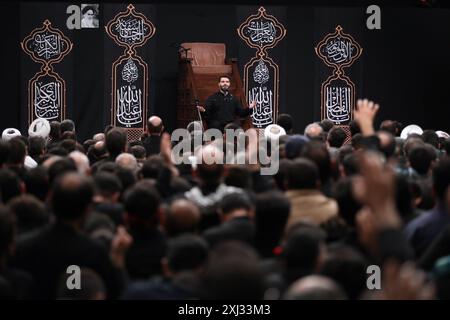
(46, 45)
(338, 50)
(262, 31)
(130, 29)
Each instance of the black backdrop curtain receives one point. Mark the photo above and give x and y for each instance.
(405, 66)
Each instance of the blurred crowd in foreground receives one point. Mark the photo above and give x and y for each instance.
(140, 227)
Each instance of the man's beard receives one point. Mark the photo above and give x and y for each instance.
(224, 88)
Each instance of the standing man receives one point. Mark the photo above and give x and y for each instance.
(152, 139)
(222, 107)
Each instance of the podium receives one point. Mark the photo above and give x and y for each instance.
(200, 66)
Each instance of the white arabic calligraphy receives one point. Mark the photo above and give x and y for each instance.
(129, 105)
(261, 74)
(47, 45)
(131, 30)
(47, 100)
(263, 113)
(262, 32)
(339, 50)
(130, 71)
(338, 103)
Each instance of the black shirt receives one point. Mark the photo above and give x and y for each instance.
(152, 144)
(222, 109)
(47, 254)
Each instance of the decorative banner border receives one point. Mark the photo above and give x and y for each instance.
(129, 87)
(338, 50)
(46, 89)
(337, 101)
(266, 99)
(51, 91)
(262, 31)
(129, 32)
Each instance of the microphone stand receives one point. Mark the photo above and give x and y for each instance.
(199, 114)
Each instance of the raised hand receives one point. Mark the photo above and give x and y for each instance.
(375, 188)
(165, 150)
(404, 282)
(119, 246)
(201, 109)
(364, 115)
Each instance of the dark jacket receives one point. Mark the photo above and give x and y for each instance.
(222, 109)
(47, 254)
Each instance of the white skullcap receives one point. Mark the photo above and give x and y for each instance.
(10, 133)
(411, 129)
(442, 134)
(274, 132)
(30, 163)
(39, 128)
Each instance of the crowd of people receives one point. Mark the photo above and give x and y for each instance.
(139, 226)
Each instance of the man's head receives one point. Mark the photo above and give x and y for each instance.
(271, 215)
(10, 185)
(182, 216)
(185, 253)
(71, 196)
(99, 137)
(303, 250)
(31, 214)
(315, 288)
(210, 172)
(55, 131)
(389, 126)
(155, 126)
(441, 178)
(326, 125)
(36, 146)
(67, 125)
(421, 158)
(317, 152)
(224, 83)
(387, 143)
(232, 272)
(294, 146)
(81, 162)
(347, 267)
(430, 137)
(336, 137)
(17, 152)
(4, 152)
(107, 186)
(313, 130)
(142, 206)
(236, 205)
(127, 161)
(7, 231)
(302, 174)
(285, 121)
(92, 288)
(116, 141)
(88, 12)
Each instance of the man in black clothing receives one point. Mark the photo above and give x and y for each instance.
(222, 107)
(47, 255)
(143, 209)
(152, 139)
(237, 212)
